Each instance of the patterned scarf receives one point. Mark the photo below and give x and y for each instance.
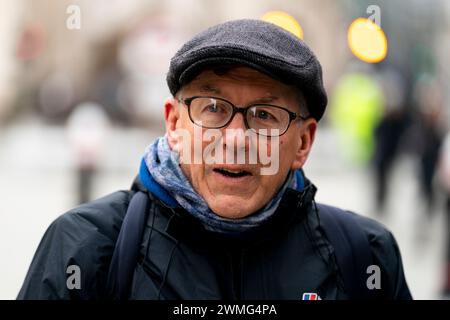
(162, 165)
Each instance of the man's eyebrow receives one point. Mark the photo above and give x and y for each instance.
(267, 99)
(207, 88)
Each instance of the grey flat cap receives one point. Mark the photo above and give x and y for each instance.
(259, 45)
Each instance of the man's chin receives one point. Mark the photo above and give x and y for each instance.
(232, 207)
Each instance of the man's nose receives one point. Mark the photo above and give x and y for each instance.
(237, 122)
(235, 133)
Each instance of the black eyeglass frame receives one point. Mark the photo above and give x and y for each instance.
(292, 115)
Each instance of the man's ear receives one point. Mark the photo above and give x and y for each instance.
(307, 133)
(172, 117)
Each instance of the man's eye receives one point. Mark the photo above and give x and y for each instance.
(264, 115)
(215, 108)
(212, 108)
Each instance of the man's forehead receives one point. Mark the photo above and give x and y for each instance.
(214, 81)
(264, 96)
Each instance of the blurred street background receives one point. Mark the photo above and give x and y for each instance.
(82, 85)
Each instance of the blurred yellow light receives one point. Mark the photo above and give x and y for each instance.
(285, 21)
(367, 40)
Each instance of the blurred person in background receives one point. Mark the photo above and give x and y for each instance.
(388, 133)
(430, 134)
(86, 130)
(356, 109)
(221, 229)
(444, 179)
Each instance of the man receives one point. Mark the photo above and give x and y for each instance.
(223, 210)
(444, 179)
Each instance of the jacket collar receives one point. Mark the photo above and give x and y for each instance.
(183, 226)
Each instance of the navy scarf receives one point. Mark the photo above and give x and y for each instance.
(161, 174)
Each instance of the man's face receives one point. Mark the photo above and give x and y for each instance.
(227, 193)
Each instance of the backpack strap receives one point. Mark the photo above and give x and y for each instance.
(351, 247)
(126, 251)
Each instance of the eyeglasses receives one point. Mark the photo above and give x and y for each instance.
(215, 113)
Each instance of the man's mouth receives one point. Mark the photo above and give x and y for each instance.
(232, 173)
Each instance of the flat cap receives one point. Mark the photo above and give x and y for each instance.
(256, 44)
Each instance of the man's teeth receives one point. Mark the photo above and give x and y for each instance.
(233, 171)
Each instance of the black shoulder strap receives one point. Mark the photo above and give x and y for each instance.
(352, 250)
(127, 247)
